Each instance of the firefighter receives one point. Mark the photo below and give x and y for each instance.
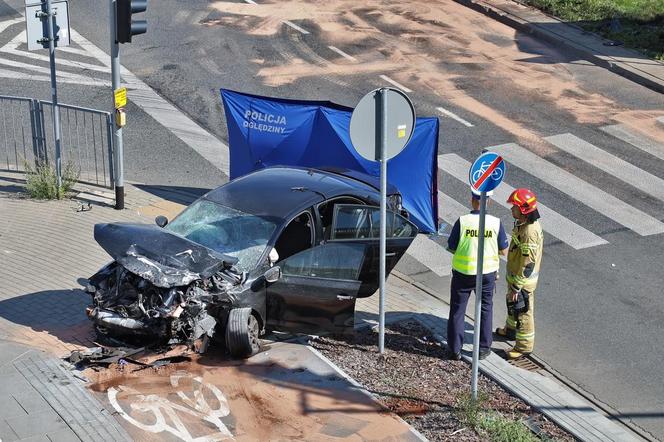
(523, 264)
(463, 242)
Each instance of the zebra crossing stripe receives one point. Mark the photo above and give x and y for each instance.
(610, 164)
(637, 140)
(598, 200)
(554, 223)
(449, 209)
(431, 254)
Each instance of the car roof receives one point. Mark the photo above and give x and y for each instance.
(282, 192)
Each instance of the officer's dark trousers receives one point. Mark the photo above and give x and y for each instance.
(462, 286)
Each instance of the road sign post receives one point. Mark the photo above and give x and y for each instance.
(43, 31)
(485, 174)
(380, 127)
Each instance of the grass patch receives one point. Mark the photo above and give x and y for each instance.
(498, 428)
(637, 23)
(42, 181)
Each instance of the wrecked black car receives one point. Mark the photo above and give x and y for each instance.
(283, 248)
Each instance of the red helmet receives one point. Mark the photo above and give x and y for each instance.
(524, 199)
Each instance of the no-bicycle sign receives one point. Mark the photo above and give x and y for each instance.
(487, 172)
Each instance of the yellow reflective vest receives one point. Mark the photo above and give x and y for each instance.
(465, 255)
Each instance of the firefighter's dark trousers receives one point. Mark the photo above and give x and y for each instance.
(462, 286)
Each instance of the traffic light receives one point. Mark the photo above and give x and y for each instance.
(125, 27)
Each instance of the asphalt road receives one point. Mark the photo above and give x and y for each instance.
(599, 308)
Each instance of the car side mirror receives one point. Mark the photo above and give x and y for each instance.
(271, 275)
(161, 221)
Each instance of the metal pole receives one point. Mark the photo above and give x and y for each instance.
(478, 296)
(117, 133)
(382, 121)
(54, 93)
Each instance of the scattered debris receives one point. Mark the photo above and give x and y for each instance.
(101, 356)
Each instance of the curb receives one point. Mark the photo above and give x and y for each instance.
(363, 390)
(524, 26)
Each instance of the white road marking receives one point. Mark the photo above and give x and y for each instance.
(610, 164)
(554, 223)
(193, 135)
(604, 203)
(286, 22)
(60, 73)
(5, 73)
(12, 21)
(632, 137)
(454, 116)
(296, 27)
(430, 254)
(343, 54)
(394, 83)
(13, 45)
(449, 209)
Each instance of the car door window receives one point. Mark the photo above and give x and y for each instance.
(297, 236)
(363, 222)
(330, 260)
(397, 226)
(351, 222)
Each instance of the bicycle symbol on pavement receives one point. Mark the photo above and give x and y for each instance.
(496, 175)
(160, 414)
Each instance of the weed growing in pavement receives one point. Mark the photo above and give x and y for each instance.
(42, 181)
(502, 429)
(475, 415)
(469, 411)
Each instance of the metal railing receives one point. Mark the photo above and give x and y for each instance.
(26, 138)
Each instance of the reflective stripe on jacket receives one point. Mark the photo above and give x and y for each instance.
(525, 256)
(465, 256)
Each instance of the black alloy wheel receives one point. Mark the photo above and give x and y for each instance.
(242, 333)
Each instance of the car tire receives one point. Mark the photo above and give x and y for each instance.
(242, 333)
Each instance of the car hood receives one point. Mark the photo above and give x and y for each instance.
(157, 255)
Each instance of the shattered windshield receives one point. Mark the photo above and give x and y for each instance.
(225, 230)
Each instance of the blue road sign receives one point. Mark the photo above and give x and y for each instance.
(487, 172)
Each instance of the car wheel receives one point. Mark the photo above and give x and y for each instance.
(242, 332)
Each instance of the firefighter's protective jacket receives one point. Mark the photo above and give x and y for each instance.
(525, 256)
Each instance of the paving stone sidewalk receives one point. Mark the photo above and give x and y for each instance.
(45, 247)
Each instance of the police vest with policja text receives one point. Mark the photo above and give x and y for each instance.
(465, 256)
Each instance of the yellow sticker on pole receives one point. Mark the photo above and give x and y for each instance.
(120, 97)
(401, 131)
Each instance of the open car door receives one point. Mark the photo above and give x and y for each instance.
(360, 224)
(317, 290)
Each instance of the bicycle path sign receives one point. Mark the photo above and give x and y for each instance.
(487, 172)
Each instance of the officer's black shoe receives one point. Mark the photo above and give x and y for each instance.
(484, 353)
(449, 354)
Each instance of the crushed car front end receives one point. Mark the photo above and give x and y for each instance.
(161, 288)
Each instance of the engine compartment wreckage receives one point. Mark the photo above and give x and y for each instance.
(283, 248)
(162, 289)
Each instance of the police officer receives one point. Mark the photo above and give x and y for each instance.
(463, 242)
(523, 264)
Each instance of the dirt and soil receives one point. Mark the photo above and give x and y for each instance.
(414, 380)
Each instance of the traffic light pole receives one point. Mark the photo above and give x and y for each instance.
(117, 132)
